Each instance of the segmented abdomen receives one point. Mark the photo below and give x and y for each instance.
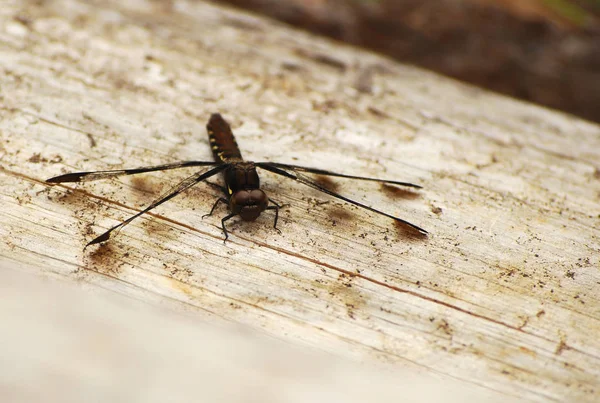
(222, 142)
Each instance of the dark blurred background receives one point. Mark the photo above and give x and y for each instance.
(543, 51)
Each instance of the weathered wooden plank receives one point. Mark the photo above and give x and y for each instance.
(503, 294)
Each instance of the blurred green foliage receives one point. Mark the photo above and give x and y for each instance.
(572, 11)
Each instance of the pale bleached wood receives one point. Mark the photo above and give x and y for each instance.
(504, 293)
(71, 345)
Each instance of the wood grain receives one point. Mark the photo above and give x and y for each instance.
(503, 294)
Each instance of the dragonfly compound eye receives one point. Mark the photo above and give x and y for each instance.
(249, 203)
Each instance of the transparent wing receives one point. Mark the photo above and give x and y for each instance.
(96, 175)
(276, 168)
(298, 168)
(174, 191)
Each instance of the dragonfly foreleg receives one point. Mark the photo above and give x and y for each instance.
(219, 200)
(227, 217)
(275, 207)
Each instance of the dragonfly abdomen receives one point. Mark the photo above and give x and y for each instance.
(222, 143)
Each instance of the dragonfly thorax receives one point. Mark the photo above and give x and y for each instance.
(241, 175)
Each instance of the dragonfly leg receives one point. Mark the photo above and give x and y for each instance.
(223, 225)
(273, 202)
(219, 200)
(276, 208)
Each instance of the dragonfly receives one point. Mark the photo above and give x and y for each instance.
(242, 192)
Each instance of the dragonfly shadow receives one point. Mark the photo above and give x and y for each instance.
(76, 197)
(396, 192)
(334, 211)
(146, 186)
(326, 182)
(407, 232)
(105, 259)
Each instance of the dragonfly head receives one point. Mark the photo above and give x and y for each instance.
(248, 204)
